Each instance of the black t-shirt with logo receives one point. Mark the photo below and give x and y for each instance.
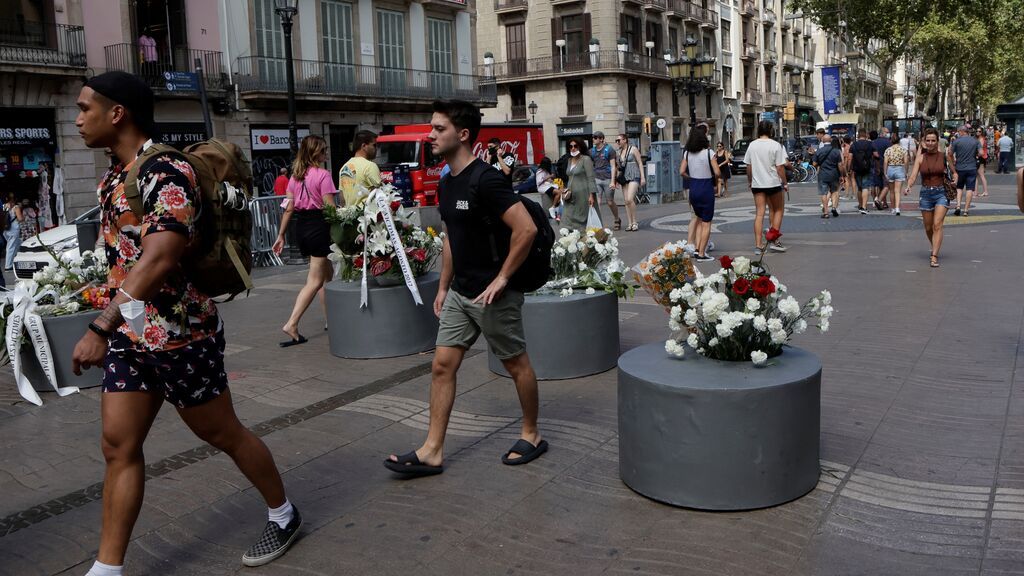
(505, 158)
(468, 235)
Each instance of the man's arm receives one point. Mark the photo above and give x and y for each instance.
(447, 273)
(523, 233)
(506, 168)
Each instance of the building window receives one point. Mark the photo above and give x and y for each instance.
(572, 32)
(517, 94)
(727, 82)
(631, 32)
(726, 36)
(631, 96)
(673, 42)
(654, 35)
(574, 98)
(439, 56)
(654, 97)
(337, 43)
(391, 49)
(515, 48)
(269, 42)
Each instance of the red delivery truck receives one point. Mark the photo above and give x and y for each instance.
(410, 145)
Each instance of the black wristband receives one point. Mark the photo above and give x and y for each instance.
(100, 331)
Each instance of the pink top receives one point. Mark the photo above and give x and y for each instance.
(318, 185)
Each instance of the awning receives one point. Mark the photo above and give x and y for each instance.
(844, 118)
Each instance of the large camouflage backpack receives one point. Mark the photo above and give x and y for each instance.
(219, 259)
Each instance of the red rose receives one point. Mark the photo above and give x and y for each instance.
(726, 262)
(772, 235)
(764, 286)
(741, 286)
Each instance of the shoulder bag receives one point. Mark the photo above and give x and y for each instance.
(947, 180)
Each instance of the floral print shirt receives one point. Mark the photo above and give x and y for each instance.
(179, 314)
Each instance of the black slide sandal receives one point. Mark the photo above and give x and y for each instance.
(528, 452)
(293, 342)
(410, 465)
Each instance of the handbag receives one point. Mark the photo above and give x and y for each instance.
(947, 181)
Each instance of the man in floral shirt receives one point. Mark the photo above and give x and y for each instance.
(159, 339)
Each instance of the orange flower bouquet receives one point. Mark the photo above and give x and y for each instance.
(667, 268)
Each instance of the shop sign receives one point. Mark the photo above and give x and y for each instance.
(26, 136)
(565, 130)
(181, 134)
(274, 138)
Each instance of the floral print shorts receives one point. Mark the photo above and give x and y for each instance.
(188, 376)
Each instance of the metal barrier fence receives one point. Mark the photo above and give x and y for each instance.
(266, 221)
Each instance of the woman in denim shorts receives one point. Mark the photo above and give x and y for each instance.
(894, 165)
(931, 165)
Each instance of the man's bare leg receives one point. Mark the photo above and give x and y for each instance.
(447, 360)
(529, 399)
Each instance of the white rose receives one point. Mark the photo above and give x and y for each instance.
(741, 265)
(758, 357)
(590, 291)
(753, 304)
(690, 317)
(692, 340)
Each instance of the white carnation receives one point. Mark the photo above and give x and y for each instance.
(676, 312)
(581, 266)
(800, 327)
(823, 325)
(758, 357)
(724, 331)
(559, 251)
(675, 295)
(760, 323)
(753, 304)
(572, 249)
(789, 307)
(692, 340)
(774, 325)
(713, 342)
(826, 297)
(590, 291)
(690, 317)
(779, 337)
(563, 232)
(674, 348)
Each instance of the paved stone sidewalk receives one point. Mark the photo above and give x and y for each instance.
(922, 439)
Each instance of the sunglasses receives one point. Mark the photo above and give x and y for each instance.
(573, 146)
(617, 141)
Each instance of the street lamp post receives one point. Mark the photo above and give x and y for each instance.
(287, 9)
(693, 73)
(533, 111)
(797, 78)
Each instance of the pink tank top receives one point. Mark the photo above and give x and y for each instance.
(318, 183)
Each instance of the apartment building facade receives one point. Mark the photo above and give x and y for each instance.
(359, 64)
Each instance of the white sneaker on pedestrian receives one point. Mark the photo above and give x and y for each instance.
(551, 212)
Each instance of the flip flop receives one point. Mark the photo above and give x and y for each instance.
(410, 465)
(293, 342)
(528, 452)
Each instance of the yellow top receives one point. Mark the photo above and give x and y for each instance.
(357, 174)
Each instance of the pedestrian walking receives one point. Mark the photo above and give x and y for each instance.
(545, 181)
(982, 160)
(360, 174)
(909, 144)
(605, 171)
(724, 160)
(1005, 145)
(828, 159)
(847, 186)
(281, 182)
(12, 234)
(963, 152)
(895, 162)
(699, 166)
(160, 339)
(931, 165)
(309, 190)
(880, 142)
(630, 178)
(476, 294)
(580, 187)
(766, 161)
(860, 163)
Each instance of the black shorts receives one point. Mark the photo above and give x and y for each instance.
(768, 191)
(188, 376)
(313, 233)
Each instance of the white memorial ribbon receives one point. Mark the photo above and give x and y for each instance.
(24, 318)
(384, 205)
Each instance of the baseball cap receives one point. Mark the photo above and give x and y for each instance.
(129, 91)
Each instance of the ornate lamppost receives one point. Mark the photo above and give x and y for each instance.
(287, 9)
(693, 73)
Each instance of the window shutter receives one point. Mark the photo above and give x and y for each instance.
(587, 31)
(556, 34)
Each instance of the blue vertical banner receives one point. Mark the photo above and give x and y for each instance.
(830, 88)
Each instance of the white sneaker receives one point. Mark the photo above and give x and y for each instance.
(551, 211)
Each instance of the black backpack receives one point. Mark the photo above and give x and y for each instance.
(536, 269)
(862, 160)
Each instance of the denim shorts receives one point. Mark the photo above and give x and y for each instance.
(932, 196)
(896, 174)
(967, 179)
(826, 188)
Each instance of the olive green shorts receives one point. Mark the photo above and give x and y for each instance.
(501, 323)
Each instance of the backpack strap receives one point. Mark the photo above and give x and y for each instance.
(131, 183)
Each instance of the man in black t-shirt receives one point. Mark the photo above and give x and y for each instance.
(488, 234)
(504, 162)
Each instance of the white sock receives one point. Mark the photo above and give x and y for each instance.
(101, 569)
(282, 514)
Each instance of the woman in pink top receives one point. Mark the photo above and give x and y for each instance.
(309, 189)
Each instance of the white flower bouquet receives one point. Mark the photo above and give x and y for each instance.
(586, 262)
(361, 229)
(740, 313)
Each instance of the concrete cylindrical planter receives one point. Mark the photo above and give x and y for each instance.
(63, 333)
(391, 325)
(568, 337)
(717, 435)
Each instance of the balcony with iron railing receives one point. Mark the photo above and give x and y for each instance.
(151, 66)
(774, 99)
(871, 77)
(751, 52)
(654, 4)
(519, 112)
(262, 74)
(751, 96)
(600, 61)
(574, 109)
(748, 8)
(771, 57)
(792, 60)
(506, 6)
(41, 44)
